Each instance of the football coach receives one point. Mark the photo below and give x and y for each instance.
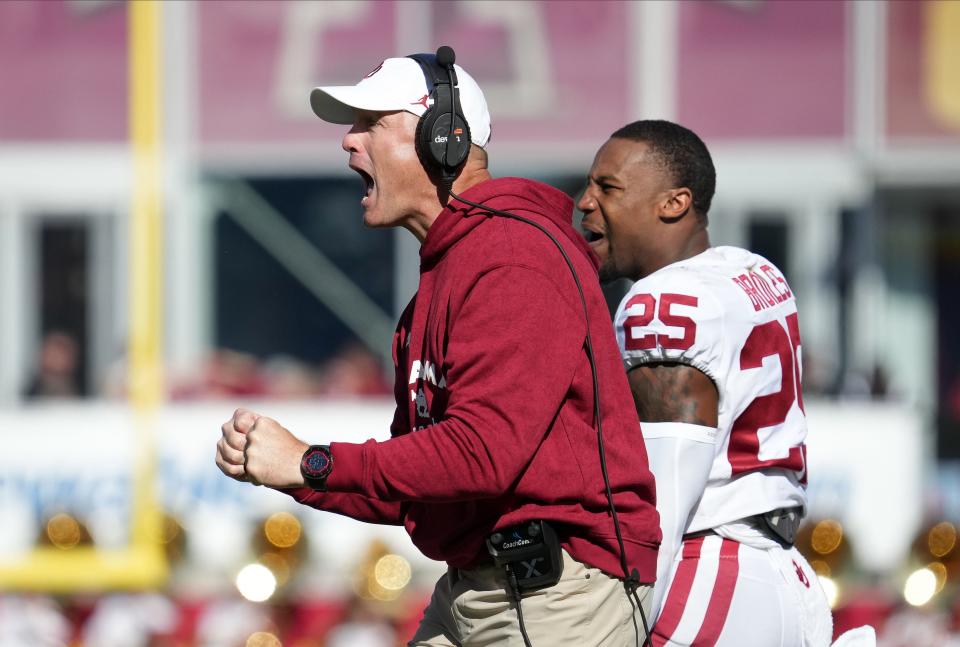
(504, 460)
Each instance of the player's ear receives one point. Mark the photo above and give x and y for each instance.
(677, 203)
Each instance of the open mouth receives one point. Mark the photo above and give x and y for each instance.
(593, 236)
(368, 183)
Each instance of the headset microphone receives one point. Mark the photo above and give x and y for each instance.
(446, 56)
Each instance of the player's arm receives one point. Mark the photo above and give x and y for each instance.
(678, 406)
(674, 392)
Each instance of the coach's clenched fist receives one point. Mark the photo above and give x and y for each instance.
(257, 449)
(233, 442)
(272, 455)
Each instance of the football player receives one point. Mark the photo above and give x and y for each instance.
(710, 337)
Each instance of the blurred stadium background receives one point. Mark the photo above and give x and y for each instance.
(179, 235)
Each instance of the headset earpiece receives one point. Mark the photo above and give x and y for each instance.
(432, 133)
(441, 158)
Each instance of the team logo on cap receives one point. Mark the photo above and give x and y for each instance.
(422, 101)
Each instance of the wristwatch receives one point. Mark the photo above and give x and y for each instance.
(315, 466)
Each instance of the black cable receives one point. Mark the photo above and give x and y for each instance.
(631, 578)
(515, 589)
(643, 618)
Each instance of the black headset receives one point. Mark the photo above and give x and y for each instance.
(443, 143)
(443, 135)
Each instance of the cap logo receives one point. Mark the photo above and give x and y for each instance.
(374, 70)
(422, 101)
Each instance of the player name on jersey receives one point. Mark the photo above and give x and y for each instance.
(764, 291)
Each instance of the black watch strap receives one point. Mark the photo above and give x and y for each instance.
(315, 466)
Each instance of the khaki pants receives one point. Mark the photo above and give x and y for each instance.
(585, 608)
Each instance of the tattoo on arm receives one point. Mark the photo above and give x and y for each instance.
(671, 392)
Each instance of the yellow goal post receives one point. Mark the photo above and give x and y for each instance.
(141, 564)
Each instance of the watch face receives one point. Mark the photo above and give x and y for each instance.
(316, 463)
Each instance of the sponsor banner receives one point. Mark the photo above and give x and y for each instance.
(78, 459)
(756, 70)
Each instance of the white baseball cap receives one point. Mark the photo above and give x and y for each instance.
(399, 84)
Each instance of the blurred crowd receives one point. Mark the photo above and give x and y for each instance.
(57, 371)
(155, 619)
(353, 371)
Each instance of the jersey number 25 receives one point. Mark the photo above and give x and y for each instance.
(765, 340)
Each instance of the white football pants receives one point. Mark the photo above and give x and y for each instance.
(727, 593)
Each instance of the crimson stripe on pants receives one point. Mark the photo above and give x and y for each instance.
(722, 594)
(676, 600)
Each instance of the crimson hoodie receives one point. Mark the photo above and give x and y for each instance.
(494, 419)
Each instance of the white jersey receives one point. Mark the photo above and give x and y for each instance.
(730, 313)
